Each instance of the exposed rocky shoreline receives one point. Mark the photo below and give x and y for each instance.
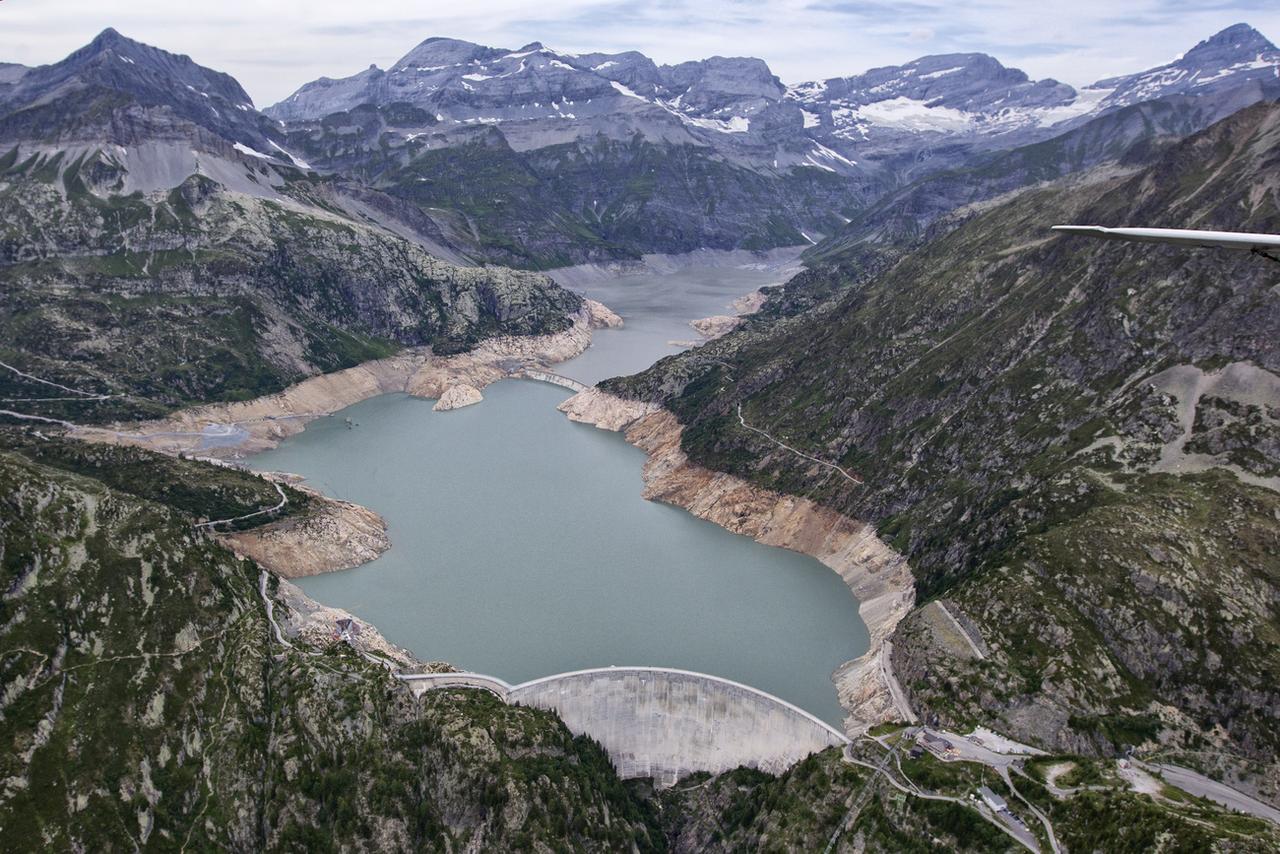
(252, 426)
(786, 260)
(338, 534)
(878, 576)
(341, 535)
(335, 535)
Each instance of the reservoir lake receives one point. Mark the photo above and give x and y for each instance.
(521, 546)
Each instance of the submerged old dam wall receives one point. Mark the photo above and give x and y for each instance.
(663, 723)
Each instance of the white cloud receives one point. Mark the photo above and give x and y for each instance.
(274, 47)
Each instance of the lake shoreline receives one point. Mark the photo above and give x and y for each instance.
(785, 261)
(878, 576)
(264, 422)
(339, 534)
(350, 535)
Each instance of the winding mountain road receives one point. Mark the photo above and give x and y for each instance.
(799, 453)
(284, 499)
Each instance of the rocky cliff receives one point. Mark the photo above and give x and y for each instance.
(635, 157)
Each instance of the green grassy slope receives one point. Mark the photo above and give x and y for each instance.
(202, 294)
(147, 705)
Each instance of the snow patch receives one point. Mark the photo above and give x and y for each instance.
(244, 149)
(1256, 65)
(825, 153)
(934, 75)
(811, 120)
(625, 91)
(301, 164)
(736, 124)
(909, 114)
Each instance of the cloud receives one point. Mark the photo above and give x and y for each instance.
(272, 48)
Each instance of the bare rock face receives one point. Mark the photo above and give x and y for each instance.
(749, 303)
(601, 316)
(603, 410)
(338, 535)
(716, 326)
(457, 396)
(720, 325)
(306, 620)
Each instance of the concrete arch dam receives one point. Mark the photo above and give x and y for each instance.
(663, 723)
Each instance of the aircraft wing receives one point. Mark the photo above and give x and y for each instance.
(1180, 236)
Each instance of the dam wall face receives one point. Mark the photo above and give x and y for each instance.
(663, 723)
(666, 724)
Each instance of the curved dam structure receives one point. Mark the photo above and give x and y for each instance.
(664, 723)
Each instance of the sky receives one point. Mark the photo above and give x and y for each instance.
(272, 48)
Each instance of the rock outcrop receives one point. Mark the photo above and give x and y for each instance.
(335, 535)
(458, 396)
(716, 326)
(602, 317)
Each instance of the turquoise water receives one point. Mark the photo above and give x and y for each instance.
(522, 548)
(657, 308)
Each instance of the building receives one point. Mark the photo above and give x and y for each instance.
(937, 744)
(993, 800)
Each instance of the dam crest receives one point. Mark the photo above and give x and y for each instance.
(663, 723)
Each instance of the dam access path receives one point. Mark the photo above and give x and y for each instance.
(663, 723)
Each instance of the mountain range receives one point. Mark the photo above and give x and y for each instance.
(1075, 446)
(593, 136)
(537, 158)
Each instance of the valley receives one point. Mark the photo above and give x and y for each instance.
(522, 449)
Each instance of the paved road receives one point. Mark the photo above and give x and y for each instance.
(284, 499)
(1013, 828)
(420, 682)
(1043, 819)
(896, 693)
(81, 394)
(967, 751)
(1202, 787)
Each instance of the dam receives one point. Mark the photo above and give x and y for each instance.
(522, 545)
(661, 722)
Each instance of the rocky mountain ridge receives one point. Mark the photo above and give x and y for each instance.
(78, 98)
(633, 157)
(1033, 422)
(153, 257)
(737, 106)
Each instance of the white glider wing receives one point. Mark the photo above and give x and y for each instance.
(1260, 243)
